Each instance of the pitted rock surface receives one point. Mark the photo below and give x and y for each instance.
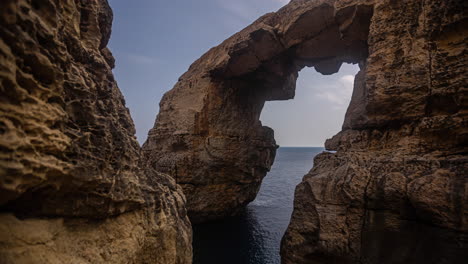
(72, 188)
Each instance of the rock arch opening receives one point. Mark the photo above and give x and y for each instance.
(317, 111)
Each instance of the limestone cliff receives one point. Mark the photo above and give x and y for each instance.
(72, 187)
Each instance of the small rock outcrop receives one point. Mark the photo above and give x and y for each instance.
(73, 188)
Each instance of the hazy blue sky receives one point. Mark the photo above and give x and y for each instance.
(155, 41)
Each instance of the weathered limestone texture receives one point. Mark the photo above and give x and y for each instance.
(72, 188)
(395, 189)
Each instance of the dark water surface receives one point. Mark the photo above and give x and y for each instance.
(254, 236)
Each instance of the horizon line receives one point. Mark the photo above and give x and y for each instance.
(301, 146)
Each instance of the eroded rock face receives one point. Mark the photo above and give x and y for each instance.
(72, 185)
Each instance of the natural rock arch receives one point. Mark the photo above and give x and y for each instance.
(398, 178)
(208, 135)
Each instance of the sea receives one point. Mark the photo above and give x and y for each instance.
(254, 236)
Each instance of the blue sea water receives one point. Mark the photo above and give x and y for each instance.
(254, 236)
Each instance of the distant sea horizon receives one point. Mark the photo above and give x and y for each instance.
(299, 147)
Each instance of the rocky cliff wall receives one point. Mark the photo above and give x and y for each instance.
(72, 185)
(395, 191)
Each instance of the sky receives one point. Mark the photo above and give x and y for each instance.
(155, 41)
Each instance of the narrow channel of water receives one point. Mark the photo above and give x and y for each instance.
(254, 236)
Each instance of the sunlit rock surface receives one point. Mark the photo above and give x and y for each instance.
(71, 186)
